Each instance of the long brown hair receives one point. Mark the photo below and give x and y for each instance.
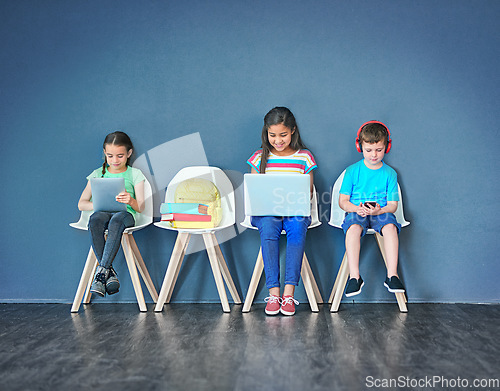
(279, 115)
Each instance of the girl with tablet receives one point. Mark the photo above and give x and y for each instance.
(118, 149)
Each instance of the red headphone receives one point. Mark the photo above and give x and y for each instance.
(389, 141)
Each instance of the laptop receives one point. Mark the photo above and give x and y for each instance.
(104, 192)
(277, 194)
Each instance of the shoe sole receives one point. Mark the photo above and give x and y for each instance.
(286, 312)
(112, 288)
(98, 293)
(357, 292)
(272, 312)
(394, 290)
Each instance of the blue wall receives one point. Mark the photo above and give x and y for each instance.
(72, 71)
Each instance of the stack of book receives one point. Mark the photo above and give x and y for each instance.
(186, 215)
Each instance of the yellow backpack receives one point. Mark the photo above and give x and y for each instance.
(201, 191)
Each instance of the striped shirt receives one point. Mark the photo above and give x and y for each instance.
(301, 162)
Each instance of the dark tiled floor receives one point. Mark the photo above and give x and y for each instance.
(197, 347)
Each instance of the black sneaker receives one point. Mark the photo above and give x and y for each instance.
(112, 283)
(99, 284)
(393, 285)
(354, 287)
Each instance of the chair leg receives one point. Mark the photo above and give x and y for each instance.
(214, 263)
(254, 282)
(172, 269)
(225, 272)
(88, 294)
(306, 279)
(85, 280)
(183, 249)
(337, 280)
(317, 293)
(132, 268)
(142, 268)
(400, 296)
(339, 286)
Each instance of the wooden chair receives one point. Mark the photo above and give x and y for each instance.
(217, 262)
(311, 288)
(132, 256)
(336, 219)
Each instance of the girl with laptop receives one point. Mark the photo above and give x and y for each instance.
(118, 149)
(282, 152)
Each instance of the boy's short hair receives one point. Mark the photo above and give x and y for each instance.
(372, 133)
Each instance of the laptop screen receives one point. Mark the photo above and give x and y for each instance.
(277, 194)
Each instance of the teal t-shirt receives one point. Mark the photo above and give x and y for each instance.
(363, 184)
(132, 177)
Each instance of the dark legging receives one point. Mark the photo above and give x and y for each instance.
(105, 250)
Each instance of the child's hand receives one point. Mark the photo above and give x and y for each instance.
(371, 210)
(361, 210)
(124, 197)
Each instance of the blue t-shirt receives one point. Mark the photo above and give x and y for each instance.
(363, 184)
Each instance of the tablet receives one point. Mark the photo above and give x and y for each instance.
(104, 192)
(277, 194)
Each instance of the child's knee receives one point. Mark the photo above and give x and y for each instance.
(389, 229)
(97, 218)
(354, 230)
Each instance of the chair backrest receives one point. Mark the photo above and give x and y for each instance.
(337, 214)
(219, 179)
(146, 216)
(314, 214)
(141, 219)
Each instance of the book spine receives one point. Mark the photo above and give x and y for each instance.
(192, 224)
(179, 207)
(185, 217)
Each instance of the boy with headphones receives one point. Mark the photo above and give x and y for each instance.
(369, 196)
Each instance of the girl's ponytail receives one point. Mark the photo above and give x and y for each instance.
(103, 168)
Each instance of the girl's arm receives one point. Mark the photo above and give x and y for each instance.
(312, 183)
(253, 171)
(136, 203)
(84, 202)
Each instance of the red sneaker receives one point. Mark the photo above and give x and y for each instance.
(288, 305)
(273, 305)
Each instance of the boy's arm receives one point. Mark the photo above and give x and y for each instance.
(389, 208)
(377, 210)
(346, 205)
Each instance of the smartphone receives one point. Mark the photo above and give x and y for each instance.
(373, 204)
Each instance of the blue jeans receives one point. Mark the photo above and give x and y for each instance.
(105, 250)
(270, 228)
